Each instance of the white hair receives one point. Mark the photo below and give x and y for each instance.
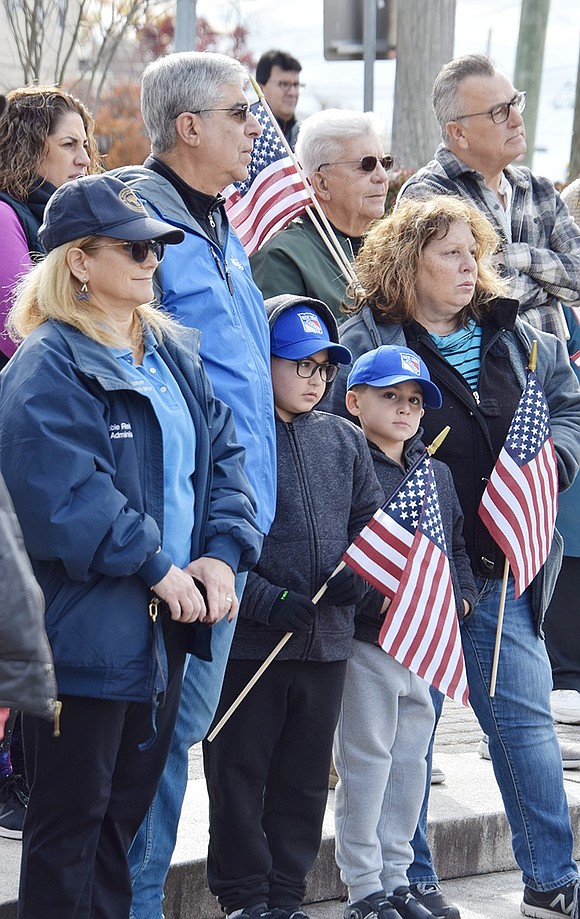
(322, 135)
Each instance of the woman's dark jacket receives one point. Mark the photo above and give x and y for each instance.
(479, 421)
(81, 452)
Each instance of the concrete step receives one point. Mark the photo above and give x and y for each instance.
(467, 828)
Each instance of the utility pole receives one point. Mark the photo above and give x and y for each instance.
(185, 25)
(574, 168)
(529, 62)
(425, 37)
(369, 52)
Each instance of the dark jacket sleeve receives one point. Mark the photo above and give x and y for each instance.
(27, 678)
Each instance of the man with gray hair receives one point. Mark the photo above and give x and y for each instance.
(342, 155)
(202, 132)
(480, 115)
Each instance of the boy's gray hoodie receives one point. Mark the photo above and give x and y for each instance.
(327, 492)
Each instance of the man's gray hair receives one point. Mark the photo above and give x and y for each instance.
(183, 82)
(445, 95)
(321, 136)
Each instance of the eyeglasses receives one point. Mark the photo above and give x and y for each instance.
(138, 250)
(307, 369)
(287, 85)
(501, 113)
(366, 163)
(236, 111)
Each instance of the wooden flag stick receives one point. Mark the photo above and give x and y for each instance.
(506, 571)
(329, 238)
(265, 665)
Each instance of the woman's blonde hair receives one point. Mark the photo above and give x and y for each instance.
(390, 259)
(50, 291)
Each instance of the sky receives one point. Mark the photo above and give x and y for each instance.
(480, 26)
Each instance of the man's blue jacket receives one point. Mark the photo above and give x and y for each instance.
(209, 287)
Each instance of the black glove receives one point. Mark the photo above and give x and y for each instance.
(292, 612)
(346, 587)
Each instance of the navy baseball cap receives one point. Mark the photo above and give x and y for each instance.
(299, 332)
(100, 205)
(390, 364)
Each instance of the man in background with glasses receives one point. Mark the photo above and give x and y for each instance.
(278, 74)
(480, 114)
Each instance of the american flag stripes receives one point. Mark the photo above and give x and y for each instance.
(402, 553)
(520, 502)
(272, 195)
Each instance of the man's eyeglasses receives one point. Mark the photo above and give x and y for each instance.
(236, 111)
(138, 250)
(287, 85)
(307, 368)
(366, 163)
(501, 113)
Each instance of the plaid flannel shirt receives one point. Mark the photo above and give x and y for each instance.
(542, 259)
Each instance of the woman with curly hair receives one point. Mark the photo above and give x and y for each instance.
(430, 285)
(46, 139)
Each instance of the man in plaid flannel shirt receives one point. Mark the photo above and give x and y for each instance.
(480, 115)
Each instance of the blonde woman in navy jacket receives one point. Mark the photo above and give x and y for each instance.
(128, 481)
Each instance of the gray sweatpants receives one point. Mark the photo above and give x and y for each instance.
(380, 744)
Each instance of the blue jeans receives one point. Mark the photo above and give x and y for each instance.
(422, 870)
(150, 853)
(522, 741)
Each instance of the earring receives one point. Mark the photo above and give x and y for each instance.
(83, 293)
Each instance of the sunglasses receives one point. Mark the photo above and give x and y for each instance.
(139, 249)
(366, 163)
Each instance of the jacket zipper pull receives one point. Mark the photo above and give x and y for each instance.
(153, 609)
(229, 280)
(56, 718)
(476, 397)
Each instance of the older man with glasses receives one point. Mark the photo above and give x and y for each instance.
(202, 132)
(342, 155)
(481, 118)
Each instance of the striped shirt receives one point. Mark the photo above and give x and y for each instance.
(462, 349)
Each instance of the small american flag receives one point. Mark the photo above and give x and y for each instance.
(520, 502)
(272, 195)
(402, 553)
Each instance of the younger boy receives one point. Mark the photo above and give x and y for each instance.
(267, 769)
(387, 716)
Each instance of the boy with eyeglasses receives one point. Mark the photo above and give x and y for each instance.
(267, 769)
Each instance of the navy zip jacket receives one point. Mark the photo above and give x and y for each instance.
(82, 457)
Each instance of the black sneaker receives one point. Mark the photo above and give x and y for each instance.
(292, 912)
(258, 911)
(549, 904)
(431, 896)
(407, 906)
(13, 803)
(377, 906)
